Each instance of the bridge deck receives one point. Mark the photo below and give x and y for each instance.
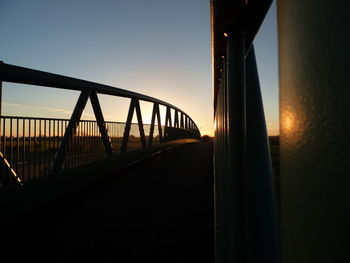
(157, 211)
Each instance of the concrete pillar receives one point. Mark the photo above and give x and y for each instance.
(314, 74)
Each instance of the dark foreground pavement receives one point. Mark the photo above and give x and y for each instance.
(157, 211)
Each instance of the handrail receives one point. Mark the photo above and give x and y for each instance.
(89, 90)
(16, 74)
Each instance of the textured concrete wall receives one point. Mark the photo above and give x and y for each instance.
(314, 74)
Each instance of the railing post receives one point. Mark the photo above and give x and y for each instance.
(70, 131)
(101, 123)
(0, 96)
(140, 123)
(236, 155)
(259, 179)
(127, 127)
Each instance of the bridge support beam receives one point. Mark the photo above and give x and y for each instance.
(155, 114)
(314, 63)
(69, 133)
(127, 127)
(140, 123)
(236, 151)
(0, 97)
(101, 123)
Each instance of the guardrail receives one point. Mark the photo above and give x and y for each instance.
(31, 147)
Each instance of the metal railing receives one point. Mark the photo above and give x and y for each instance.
(33, 147)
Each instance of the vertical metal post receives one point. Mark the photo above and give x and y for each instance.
(70, 130)
(222, 245)
(140, 123)
(127, 127)
(230, 239)
(236, 97)
(101, 123)
(261, 205)
(314, 130)
(0, 96)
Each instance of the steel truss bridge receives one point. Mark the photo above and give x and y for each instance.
(34, 147)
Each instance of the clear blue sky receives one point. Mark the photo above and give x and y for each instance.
(158, 48)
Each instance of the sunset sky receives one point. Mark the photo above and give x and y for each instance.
(158, 48)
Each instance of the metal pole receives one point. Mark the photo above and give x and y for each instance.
(313, 41)
(0, 97)
(236, 135)
(261, 205)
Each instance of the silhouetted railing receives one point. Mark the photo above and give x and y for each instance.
(29, 144)
(32, 147)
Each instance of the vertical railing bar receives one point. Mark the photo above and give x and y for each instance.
(4, 150)
(23, 150)
(81, 148)
(2, 167)
(11, 143)
(78, 144)
(89, 140)
(82, 145)
(55, 136)
(82, 123)
(3, 172)
(34, 149)
(67, 158)
(127, 127)
(1, 119)
(2, 175)
(140, 123)
(29, 148)
(76, 154)
(61, 133)
(96, 142)
(49, 153)
(45, 157)
(0, 97)
(17, 161)
(70, 150)
(40, 147)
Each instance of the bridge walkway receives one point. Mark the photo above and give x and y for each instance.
(157, 211)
